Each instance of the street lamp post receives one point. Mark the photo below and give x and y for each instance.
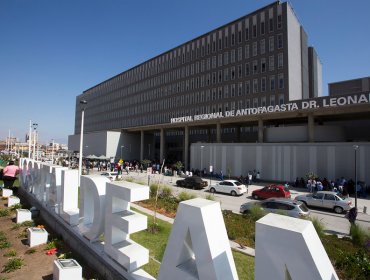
(30, 140)
(34, 125)
(121, 151)
(83, 104)
(355, 147)
(52, 152)
(201, 159)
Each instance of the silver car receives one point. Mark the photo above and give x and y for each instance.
(326, 199)
(278, 205)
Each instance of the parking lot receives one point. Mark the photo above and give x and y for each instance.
(334, 223)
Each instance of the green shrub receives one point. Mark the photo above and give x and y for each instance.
(153, 189)
(210, 197)
(257, 213)
(4, 212)
(354, 265)
(4, 243)
(166, 192)
(54, 243)
(319, 227)
(13, 264)
(359, 236)
(11, 253)
(186, 196)
(15, 206)
(30, 251)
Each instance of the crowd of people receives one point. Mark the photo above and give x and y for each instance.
(340, 185)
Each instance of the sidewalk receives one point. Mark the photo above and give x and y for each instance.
(245, 250)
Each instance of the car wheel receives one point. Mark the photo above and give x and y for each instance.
(233, 193)
(338, 210)
(212, 190)
(255, 196)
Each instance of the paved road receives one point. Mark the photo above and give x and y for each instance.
(333, 223)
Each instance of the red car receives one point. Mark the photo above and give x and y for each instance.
(271, 191)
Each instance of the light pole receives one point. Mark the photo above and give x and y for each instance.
(121, 151)
(201, 159)
(355, 147)
(34, 125)
(30, 140)
(83, 105)
(52, 152)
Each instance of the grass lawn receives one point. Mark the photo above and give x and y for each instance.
(156, 243)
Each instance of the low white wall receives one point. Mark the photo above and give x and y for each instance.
(284, 161)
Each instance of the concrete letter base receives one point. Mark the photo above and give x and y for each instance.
(13, 200)
(198, 246)
(37, 236)
(290, 246)
(67, 269)
(7, 192)
(23, 215)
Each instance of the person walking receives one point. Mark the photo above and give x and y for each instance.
(352, 215)
(9, 174)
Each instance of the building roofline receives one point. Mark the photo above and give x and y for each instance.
(277, 2)
(350, 80)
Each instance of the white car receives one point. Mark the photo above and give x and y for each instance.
(110, 175)
(232, 187)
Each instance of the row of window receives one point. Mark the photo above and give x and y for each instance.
(205, 46)
(118, 118)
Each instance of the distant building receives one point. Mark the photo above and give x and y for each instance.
(355, 86)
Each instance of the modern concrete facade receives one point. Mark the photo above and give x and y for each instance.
(252, 80)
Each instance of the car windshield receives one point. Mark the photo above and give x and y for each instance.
(237, 183)
(286, 189)
(303, 207)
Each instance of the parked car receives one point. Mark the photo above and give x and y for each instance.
(110, 175)
(232, 187)
(278, 205)
(271, 191)
(193, 182)
(326, 199)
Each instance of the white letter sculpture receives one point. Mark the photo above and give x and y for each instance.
(120, 222)
(198, 246)
(289, 248)
(69, 205)
(92, 205)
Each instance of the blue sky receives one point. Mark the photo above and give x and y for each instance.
(51, 51)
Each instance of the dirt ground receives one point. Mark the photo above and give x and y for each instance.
(38, 264)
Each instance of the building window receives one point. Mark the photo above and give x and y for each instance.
(280, 41)
(226, 91)
(246, 51)
(232, 58)
(247, 87)
(255, 102)
(220, 76)
(271, 63)
(214, 62)
(255, 85)
(247, 70)
(220, 60)
(280, 60)
(279, 21)
(240, 54)
(220, 43)
(263, 65)
(272, 83)
(232, 73)
(281, 80)
(247, 33)
(240, 73)
(263, 46)
(271, 44)
(226, 58)
(272, 100)
(263, 101)
(254, 31)
(233, 90)
(226, 41)
(240, 89)
(226, 74)
(213, 77)
(262, 28)
(232, 39)
(255, 67)
(281, 99)
(271, 24)
(240, 36)
(263, 84)
(254, 49)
